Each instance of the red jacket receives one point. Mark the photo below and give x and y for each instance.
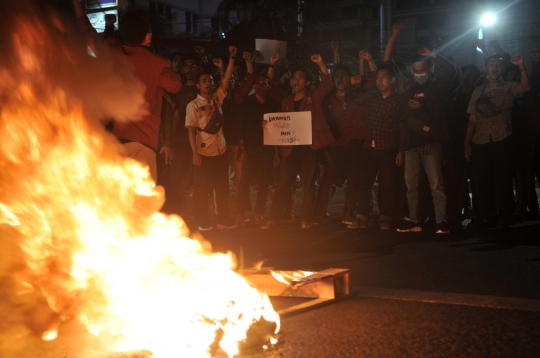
(313, 99)
(154, 72)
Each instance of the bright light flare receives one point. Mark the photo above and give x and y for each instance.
(487, 19)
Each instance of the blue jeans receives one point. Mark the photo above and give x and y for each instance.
(429, 157)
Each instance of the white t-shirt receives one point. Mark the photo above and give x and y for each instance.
(198, 114)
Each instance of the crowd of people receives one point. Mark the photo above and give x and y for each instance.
(428, 133)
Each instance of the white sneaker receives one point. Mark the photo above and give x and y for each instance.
(206, 228)
(226, 227)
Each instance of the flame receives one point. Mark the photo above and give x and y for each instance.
(87, 218)
(289, 278)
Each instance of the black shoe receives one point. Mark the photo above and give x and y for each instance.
(480, 224)
(442, 228)
(409, 226)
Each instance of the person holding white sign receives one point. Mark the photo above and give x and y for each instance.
(303, 158)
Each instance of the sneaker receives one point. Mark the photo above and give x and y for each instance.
(226, 226)
(357, 224)
(442, 228)
(409, 226)
(347, 220)
(384, 225)
(205, 228)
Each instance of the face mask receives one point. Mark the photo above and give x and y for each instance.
(421, 79)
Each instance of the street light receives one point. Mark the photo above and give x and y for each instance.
(487, 19)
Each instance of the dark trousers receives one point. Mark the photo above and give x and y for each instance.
(382, 162)
(257, 170)
(211, 177)
(493, 178)
(347, 156)
(177, 179)
(302, 160)
(524, 177)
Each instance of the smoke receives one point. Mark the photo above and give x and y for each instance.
(41, 47)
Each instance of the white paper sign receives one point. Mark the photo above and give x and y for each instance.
(267, 48)
(287, 128)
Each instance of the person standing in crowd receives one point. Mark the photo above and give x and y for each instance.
(349, 128)
(258, 159)
(380, 156)
(425, 130)
(140, 138)
(176, 150)
(204, 120)
(303, 158)
(490, 130)
(235, 96)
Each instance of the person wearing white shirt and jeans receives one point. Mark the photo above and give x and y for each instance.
(209, 150)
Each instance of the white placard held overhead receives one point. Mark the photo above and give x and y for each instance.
(288, 128)
(267, 48)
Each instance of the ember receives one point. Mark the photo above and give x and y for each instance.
(79, 223)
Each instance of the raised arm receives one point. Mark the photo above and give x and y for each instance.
(271, 70)
(239, 94)
(482, 46)
(335, 50)
(446, 78)
(228, 73)
(525, 84)
(364, 55)
(396, 29)
(326, 82)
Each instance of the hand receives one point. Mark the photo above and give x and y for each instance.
(276, 161)
(397, 28)
(257, 56)
(399, 159)
(424, 51)
(518, 61)
(232, 51)
(356, 80)
(468, 152)
(199, 50)
(241, 156)
(169, 154)
(335, 46)
(274, 59)
(197, 159)
(218, 62)
(264, 124)
(535, 54)
(246, 56)
(481, 44)
(414, 104)
(364, 55)
(316, 59)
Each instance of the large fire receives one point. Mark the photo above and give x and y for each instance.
(86, 219)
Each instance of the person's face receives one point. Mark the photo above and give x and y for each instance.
(261, 86)
(341, 79)
(176, 63)
(206, 84)
(384, 81)
(231, 83)
(494, 68)
(420, 72)
(285, 79)
(189, 69)
(299, 81)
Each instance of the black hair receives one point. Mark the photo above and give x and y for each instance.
(260, 75)
(309, 75)
(192, 56)
(428, 60)
(386, 66)
(494, 56)
(342, 68)
(134, 27)
(200, 74)
(173, 55)
(472, 68)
